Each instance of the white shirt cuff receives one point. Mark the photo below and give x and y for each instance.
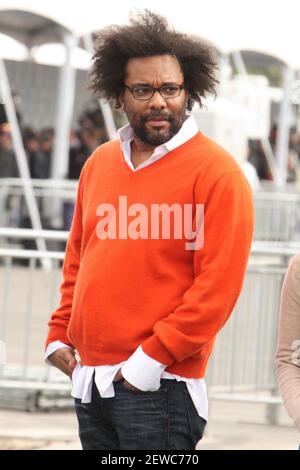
(52, 347)
(143, 372)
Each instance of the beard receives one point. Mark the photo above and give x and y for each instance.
(157, 135)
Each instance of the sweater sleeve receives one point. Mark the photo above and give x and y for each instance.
(288, 345)
(219, 269)
(60, 318)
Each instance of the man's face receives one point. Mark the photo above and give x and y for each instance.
(5, 140)
(32, 145)
(156, 120)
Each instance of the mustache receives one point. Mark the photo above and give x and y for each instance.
(157, 114)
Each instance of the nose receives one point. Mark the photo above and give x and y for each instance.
(157, 101)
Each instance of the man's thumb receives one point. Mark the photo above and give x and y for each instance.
(72, 362)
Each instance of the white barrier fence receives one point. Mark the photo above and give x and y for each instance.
(277, 214)
(241, 367)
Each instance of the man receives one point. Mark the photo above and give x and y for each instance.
(8, 165)
(141, 303)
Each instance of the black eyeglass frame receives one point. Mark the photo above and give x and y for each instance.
(154, 90)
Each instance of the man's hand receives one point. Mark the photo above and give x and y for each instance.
(64, 360)
(126, 384)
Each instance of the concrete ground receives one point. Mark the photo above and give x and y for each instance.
(232, 426)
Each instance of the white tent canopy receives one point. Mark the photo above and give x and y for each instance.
(271, 28)
(30, 29)
(24, 33)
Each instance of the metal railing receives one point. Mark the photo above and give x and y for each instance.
(243, 357)
(242, 364)
(51, 195)
(277, 214)
(28, 294)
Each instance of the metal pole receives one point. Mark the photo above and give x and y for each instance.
(282, 147)
(239, 63)
(104, 105)
(65, 104)
(21, 158)
(60, 157)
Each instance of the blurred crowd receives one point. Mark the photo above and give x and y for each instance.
(257, 156)
(89, 133)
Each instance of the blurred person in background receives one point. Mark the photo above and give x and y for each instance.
(77, 158)
(46, 138)
(293, 164)
(90, 141)
(273, 137)
(288, 345)
(258, 159)
(90, 134)
(8, 165)
(38, 164)
(83, 142)
(3, 117)
(38, 160)
(9, 169)
(143, 311)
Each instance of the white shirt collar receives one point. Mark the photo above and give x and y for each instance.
(188, 130)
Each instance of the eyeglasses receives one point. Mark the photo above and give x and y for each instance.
(144, 92)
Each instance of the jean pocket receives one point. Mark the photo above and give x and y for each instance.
(197, 423)
(161, 390)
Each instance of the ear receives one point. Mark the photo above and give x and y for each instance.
(121, 102)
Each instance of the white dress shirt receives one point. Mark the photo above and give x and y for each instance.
(133, 368)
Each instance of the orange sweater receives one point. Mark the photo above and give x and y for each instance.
(119, 293)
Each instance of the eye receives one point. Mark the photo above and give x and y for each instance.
(170, 90)
(141, 90)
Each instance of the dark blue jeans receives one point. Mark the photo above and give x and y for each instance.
(165, 419)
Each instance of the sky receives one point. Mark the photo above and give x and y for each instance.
(264, 25)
